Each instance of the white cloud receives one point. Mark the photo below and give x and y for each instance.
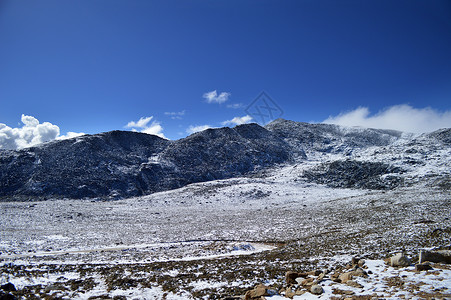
(70, 135)
(142, 123)
(175, 115)
(213, 97)
(30, 134)
(238, 121)
(194, 129)
(154, 128)
(235, 105)
(399, 117)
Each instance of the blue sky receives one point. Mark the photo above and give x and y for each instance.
(98, 65)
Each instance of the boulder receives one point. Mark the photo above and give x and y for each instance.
(423, 267)
(359, 272)
(290, 277)
(344, 277)
(289, 293)
(8, 287)
(258, 292)
(400, 260)
(316, 289)
(6, 296)
(439, 256)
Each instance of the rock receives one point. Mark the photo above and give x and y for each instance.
(359, 273)
(423, 267)
(271, 292)
(314, 273)
(439, 256)
(290, 277)
(299, 280)
(316, 289)
(361, 262)
(355, 284)
(320, 278)
(4, 296)
(289, 293)
(55, 287)
(299, 292)
(400, 260)
(344, 277)
(307, 281)
(258, 292)
(335, 277)
(336, 291)
(8, 287)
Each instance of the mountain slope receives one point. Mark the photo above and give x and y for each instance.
(121, 164)
(331, 138)
(214, 154)
(88, 166)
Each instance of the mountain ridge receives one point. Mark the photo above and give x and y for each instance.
(120, 164)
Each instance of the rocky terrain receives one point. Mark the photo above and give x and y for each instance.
(122, 164)
(119, 164)
(329, 207)
(220, 240)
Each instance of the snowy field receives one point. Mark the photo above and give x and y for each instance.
(222, 238)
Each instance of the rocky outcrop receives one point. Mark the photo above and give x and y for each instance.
(356, 174)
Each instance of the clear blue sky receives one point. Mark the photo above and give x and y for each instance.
(93, 66)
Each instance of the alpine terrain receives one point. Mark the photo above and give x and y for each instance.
(287, 210)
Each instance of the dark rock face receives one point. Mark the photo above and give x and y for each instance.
(8, 287)
(214, 154)
(355, 174)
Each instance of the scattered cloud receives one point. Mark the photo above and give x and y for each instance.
(399, 117)
(142, 124)
(70, 135)
(30, 134)
(213, 97)
(235, 105)
(177, 115)
(237, 121)
(194, 129)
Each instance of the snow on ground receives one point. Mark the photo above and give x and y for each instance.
(388, 283)
(220, 238)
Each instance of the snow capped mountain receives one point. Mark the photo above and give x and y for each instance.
(121, 164)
